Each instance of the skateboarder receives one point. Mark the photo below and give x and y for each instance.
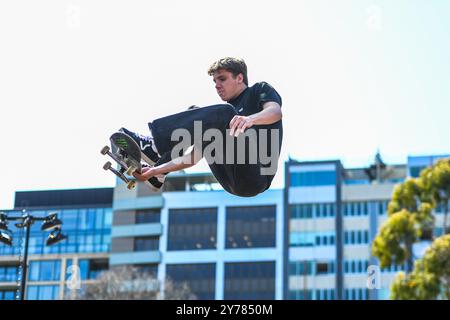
(245, 172)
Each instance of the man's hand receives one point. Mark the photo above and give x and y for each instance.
(239, 123)
(146, 174)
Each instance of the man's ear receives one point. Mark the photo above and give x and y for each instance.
(240, 78)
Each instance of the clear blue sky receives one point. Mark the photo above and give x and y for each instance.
(355, 76)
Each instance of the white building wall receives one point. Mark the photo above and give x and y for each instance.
(220, 256)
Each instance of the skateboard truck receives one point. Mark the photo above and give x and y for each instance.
(124, 168)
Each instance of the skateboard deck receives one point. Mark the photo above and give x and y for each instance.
(125, 151)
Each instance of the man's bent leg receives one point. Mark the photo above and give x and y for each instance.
(212, 117)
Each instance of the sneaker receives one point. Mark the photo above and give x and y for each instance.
(146, 144)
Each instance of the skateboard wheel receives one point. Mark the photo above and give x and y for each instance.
(131, 185)
(130, 170)
(104, 150)
(107, 165)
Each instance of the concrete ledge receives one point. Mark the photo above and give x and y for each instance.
(136, 230)
(135, 257)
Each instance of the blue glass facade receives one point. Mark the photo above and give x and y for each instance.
(88, 230)
(89, 233)
(46, 270)
(312, 210)
(313, 178)
(7, 294)
(42, 292)
(8, 273)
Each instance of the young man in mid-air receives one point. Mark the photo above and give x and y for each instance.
(243, 172)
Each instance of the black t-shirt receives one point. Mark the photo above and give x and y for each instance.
(251, 100)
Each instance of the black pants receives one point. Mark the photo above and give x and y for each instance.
(239, 179)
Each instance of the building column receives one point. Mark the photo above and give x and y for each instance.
(220, 266)
(163, 239)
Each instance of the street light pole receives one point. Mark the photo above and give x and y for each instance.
(51, 223)
(27, 224)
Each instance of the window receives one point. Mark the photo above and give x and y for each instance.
(353, 209)
(332, 211)
(7, 295)
(365, 208)
(322, 268)
(332, 238)
(331, 267)
(250, 227)
(300, 295)
(92, 268)
(148, 216)
(86, 219)
(69, 219)
(318, 240)
(250, 281)
(316, 210)
(302, 239)
(146, 243)
(415, 171)
(99, 216)
(300, 268)
(42, 292)
(45, 270)
(107, 222)
(382, 207)
(192, 229)
(356, 237)
(200, 278)
(8, 273)
(313, 178)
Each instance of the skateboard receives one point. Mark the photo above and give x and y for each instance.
(125, 151)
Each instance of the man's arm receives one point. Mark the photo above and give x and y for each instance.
(271, 113)
(177, 164)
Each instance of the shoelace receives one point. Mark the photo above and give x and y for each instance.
(145, 138)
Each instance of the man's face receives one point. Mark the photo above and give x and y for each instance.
(227, 87)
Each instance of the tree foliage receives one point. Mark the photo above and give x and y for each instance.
(411, 219)
(430, 278)
(129, 283)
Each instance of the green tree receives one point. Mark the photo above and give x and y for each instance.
(436, 183)
(430, 278)
(411, 219)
